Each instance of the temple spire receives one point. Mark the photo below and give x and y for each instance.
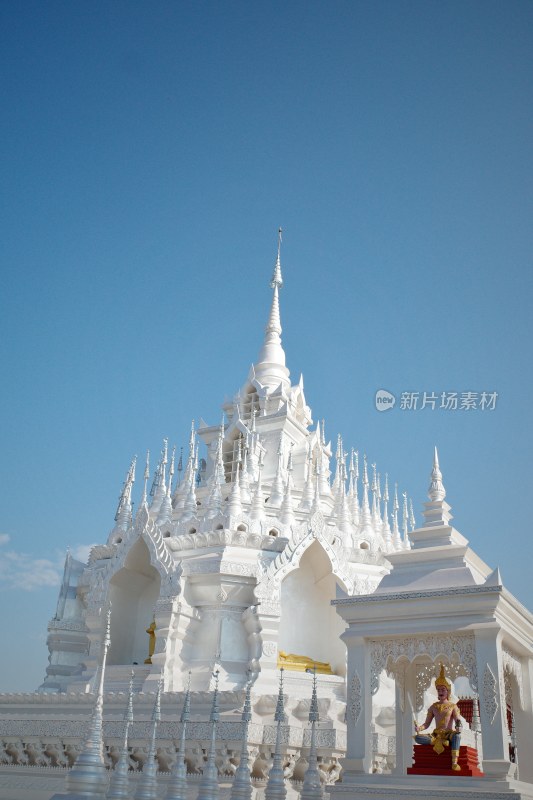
(257, 511)
(437, 511)
(270, 369)
(376, 519)
(366, 516)
(275, 788)
(412, 519)
(242, 784)
(309, 491)
(277, 492)
(144, 501)
(312, 786)
(396, 537)
(217, 480)
(316, 506)
(338, 458)
(245, 479)
(147, 785)
(436, 491)
(208, 789)
(352, 491)
(123, 515)
(405, 521)
(190, 506)
(386, 531)
(171, 472)
(180, 495)
(234, 508)
(119, 788)
(287, 510)
(177, 786)
(88, 776)
(165, 512)
(160, 482)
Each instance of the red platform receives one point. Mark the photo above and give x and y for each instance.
(428, 762)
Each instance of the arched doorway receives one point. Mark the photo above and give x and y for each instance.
(133, 592)
(309, 625)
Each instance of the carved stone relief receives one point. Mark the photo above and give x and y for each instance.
(490, 693)
(354, 698)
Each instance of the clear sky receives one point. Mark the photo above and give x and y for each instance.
(149, 153)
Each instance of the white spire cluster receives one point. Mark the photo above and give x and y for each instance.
(288, 483)
(268, 471)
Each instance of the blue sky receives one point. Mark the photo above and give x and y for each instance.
(149, 153)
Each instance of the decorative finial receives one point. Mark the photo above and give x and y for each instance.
(171, 471)
(405, 521)
(119, 781)
(437, 511)
(412, 520)
(277, 279)
(208, 788)
(180, 465)
(270, 369)
(147, 785)
(146, 478)
(123, 515)
(386, 530)
(242, 785)
(279, 715)
(313, 708)
(436, 491)
(312, 785)
(88, 776)
(275, 788)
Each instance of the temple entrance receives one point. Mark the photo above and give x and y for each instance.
(133, 592)
(309, 625)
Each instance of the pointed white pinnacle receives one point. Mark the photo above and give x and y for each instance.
(88, 776)
(208, 788)
(436, 491)
(312, 785)
(275, 788)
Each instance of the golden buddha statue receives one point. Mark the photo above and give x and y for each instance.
(303, 663)
(443, 712)
(151, 644)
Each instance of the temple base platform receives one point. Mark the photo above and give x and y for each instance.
(427, 762)
(422, 787)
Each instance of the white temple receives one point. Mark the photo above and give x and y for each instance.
(266, 550)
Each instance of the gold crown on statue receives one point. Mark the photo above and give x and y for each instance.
(441, 680)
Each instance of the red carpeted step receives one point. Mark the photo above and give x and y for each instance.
(428, 762)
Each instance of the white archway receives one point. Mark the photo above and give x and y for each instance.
(309, 625)
(133, 591)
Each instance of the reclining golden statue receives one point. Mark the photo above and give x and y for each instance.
(303, 663)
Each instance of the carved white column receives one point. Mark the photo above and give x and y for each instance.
(163, 615)
(268, 617)
(359, 707)
(405, 691)
(523, 717)
(184, 625)
(494, 732)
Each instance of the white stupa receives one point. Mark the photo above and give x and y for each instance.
(221, 577)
